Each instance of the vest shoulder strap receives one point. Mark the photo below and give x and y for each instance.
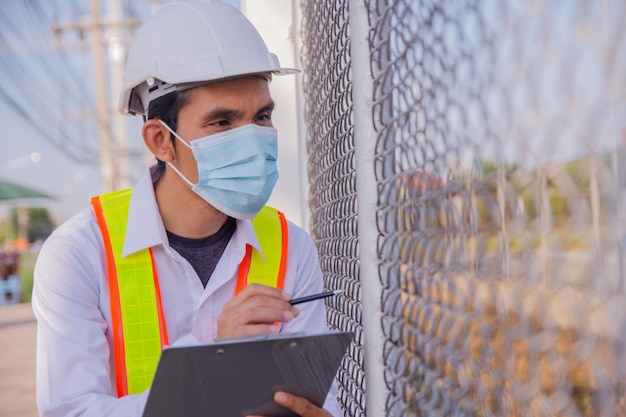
(139, 330)
(271, 228)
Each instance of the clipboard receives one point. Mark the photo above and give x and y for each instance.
(235, 378)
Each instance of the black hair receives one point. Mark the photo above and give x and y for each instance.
(166, 108)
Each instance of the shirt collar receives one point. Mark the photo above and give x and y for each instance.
(145, 227)
(246, 234)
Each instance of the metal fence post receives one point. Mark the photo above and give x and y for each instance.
(365, 144)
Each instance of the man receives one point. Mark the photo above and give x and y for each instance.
(180, 248)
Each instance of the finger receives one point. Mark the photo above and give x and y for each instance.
(253, 290)
(255, 303)
(247, 331)
(265, 315)
(299, 405)
(250, 321)
(261, 296)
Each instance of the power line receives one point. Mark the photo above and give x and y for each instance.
(27, 80)
(52, 92)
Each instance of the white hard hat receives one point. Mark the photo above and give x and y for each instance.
(189, 43)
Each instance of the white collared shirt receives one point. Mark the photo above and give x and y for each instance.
(75, 369)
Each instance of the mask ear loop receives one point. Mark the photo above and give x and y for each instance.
(180, 174)
(175, 134)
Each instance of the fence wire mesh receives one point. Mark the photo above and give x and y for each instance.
(332, 175)
(501, 178)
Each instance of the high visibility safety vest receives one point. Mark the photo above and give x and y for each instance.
(138, 324)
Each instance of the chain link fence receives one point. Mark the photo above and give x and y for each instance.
(499, 171)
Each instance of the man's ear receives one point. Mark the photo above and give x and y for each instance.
(157, 139)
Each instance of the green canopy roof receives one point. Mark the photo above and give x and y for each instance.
(12, 191)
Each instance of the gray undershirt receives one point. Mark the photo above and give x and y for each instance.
(203, 254)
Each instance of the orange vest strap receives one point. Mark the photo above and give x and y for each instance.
(138, 324)
(116, 311)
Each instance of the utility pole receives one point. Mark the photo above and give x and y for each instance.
(117, 53)
(113, 176)
(102, 106)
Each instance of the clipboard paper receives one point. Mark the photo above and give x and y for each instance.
(239, 378)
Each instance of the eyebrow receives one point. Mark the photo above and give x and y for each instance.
(224, 112)
(268, 107)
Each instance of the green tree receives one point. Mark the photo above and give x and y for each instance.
(40, 223)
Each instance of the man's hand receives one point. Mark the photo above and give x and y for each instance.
(254, 311)
(299, 405)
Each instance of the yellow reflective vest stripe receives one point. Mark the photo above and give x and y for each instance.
(138, 324)
(271, 228)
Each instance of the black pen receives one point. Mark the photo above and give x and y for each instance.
(314, 297)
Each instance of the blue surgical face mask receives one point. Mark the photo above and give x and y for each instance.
(236, 168)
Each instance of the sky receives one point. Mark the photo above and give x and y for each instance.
(47, 95)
